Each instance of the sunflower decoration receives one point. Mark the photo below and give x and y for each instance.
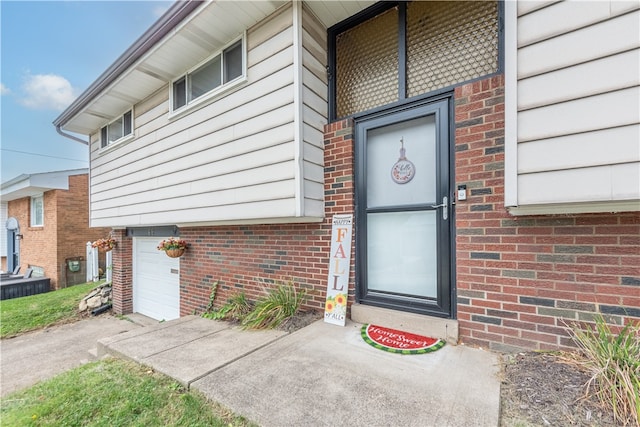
(340, 299)
(329, 305)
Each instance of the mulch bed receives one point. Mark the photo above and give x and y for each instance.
(300, 320)
(539, 389)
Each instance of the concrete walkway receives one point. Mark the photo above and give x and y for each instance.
(319, 375)
(43, 354)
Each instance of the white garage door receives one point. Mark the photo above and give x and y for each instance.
(156, 280)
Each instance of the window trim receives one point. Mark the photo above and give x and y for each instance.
(32, 209)
(123, 138)
(215, 92)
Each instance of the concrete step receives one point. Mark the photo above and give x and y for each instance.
(435, 327)
(93, 353)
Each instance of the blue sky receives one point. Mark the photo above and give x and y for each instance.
(50, 52)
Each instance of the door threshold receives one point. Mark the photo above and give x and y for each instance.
(434, 327)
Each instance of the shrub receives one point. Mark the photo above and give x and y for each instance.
(281, 303)
(236, 308)
(614, 363)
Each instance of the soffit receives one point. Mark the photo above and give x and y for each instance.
(29, 185)
(207, 30)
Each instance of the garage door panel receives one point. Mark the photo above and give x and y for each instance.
(156, 281)
(152, 269)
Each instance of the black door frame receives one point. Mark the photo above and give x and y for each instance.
(444, 305)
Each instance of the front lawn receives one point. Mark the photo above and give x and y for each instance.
(113, 392)
(25, 314)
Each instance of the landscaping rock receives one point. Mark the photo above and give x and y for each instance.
(99, 296)
(94, 302)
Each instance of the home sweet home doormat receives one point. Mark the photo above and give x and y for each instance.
(400, 342)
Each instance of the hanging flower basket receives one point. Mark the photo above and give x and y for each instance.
(174, 248)
(175, 253)
(104, 245)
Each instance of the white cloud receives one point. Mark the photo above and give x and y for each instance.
(47, 91)
(4, 90)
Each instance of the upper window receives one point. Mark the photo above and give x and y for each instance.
(409, 50)
(37, 211)
(117, 129)
(223, 68)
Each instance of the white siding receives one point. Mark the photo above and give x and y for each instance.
(228, 160)
(578, 107)
(314, 96)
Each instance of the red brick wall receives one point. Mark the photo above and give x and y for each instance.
(73, 225)
(237, 256)
(122, 273)
(38, 245)
(520, 279)
(64, 233)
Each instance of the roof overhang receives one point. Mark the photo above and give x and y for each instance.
(29, 185)
(180, 39)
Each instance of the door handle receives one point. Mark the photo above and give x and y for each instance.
(445, 207)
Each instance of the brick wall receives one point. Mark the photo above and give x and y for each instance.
(122, 273)
(73, 229)
(520, 279)
(237, 256)
(38, 244)
(64, 233)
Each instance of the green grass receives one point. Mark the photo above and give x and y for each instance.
(25, 314)
(110, 392)
(113, 392)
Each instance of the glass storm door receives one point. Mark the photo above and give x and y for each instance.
(404, 210)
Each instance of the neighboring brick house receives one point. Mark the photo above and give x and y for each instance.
(3, 236)
(492, 172)
(48, 224)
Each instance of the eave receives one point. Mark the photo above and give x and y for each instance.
(29, 185)
(180, 39)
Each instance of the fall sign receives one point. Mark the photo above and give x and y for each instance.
(335, 308)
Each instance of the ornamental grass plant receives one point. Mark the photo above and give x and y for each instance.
(236, 309)
(613, 360)
(280, 303)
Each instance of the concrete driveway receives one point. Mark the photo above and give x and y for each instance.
(39, 355)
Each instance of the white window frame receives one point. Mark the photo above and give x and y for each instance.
(125, 137)
(224, 86)
(34, 217)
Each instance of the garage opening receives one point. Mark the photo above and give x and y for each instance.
(156, 280)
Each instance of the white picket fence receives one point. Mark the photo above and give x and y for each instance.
(92, 265)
